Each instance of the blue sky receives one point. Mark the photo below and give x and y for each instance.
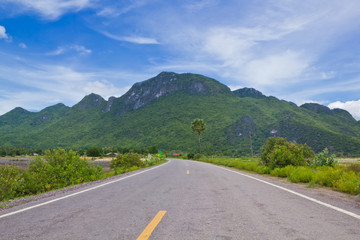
(55, 51)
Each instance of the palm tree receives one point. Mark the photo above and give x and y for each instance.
(198, 125)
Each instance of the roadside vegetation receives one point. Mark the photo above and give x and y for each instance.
(59, 168)
(56, 169)
(299, 164)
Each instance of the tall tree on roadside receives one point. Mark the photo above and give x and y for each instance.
(198, 125)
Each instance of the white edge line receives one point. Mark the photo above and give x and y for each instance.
(295, 193)
(83, 191)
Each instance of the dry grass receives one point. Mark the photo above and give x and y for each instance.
(348, 160)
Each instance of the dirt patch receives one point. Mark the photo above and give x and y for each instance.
(22, 162)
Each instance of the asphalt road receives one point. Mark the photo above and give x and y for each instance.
(201, 201)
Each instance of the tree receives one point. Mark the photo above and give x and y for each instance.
(94, 152)
(153, 150)
(198, 125)
(278, 152)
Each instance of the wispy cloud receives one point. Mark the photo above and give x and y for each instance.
(323, 87)
(200, 4)
(295, 50)
(63, 49)
(22, 45)
(50, 10)
(276, 46)
(45, 85)
(276, 69)
(114, 11)
(58, 51)
(328, 75)
(132, 39)
(81, 49)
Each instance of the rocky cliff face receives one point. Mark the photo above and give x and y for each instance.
(164, 84)
(248, 92)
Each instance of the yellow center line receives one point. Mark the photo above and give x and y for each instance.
(152, 225)
(187, 172)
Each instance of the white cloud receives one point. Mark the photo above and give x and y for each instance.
(58, 51)
(22, 45)
(277, 45)
(352, 107)
(233, 88)
(352, 85)
(239, 53)
(328, 75)
(274, 46)
(140, 40)
(52, 9)
(277, 69)
(109, 12)
(200, 4)
(300, 102)
(132, 39)
(27, 100)
(227, 44)
(104, 88)
(113, 11)
(81, 49)
(3, 34)
(63, 49)
(36, 86)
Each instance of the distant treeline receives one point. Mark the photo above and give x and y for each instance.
(18, 151)
(91, 152)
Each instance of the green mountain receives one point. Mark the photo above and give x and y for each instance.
(159, 112)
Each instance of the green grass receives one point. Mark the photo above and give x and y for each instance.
(339, 178)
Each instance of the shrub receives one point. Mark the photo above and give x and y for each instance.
(355, 167)
(11, 179)
(155, 159)
(60, 169)
(127, 160)
(278, 152)
(323, 159)
(250, 166)
(326, 175)
(198, 156)
(349, 183)
(301, 174)
(337, 177)
(262, 170)
(276, 172)
(190, 156)
(41, 178)
(283, 172)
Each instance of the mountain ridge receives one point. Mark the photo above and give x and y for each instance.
(158, 111)
(98, 100)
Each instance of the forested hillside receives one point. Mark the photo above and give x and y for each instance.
(159, 112)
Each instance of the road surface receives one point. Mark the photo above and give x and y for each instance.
(196, 200)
